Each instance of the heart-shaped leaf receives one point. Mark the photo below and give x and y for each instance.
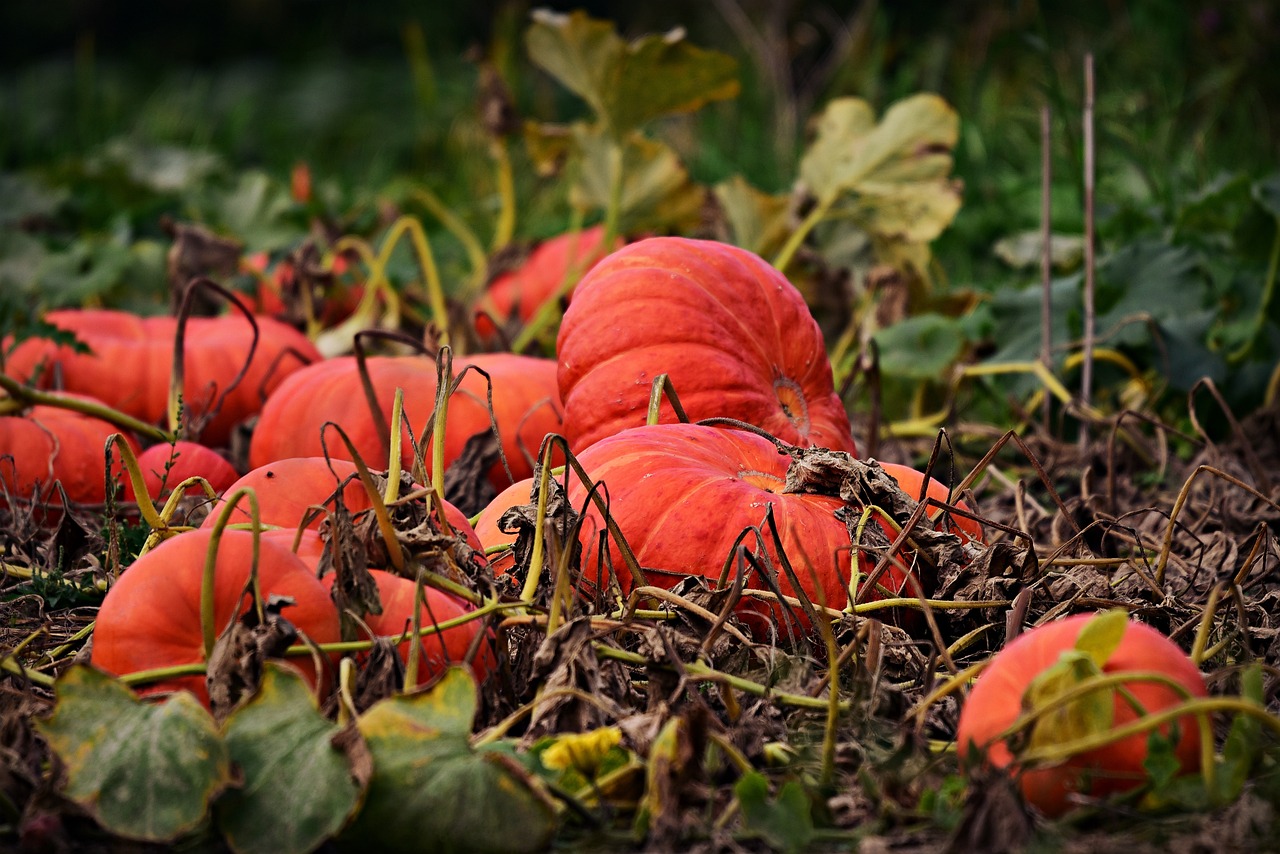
(430, 787)
(299, 787)
(657, 193)
(145, 771)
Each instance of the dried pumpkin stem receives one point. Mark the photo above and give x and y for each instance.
(208, 631)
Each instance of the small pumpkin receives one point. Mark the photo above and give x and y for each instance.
(150, 618)
(735, 337)
(525, 402)
(491, 536)
(165, 466)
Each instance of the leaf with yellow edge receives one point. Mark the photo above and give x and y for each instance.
(628, 84)
(1101, 636)
(657, 192)
(431, 788)
(757, 221)
(146, 771)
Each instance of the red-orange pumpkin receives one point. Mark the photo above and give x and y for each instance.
(131, 356)
(910, 480)
(275, 284)
(733, 334)
(524, 290)
(996, 701)
(487, 523)
(681, 494)
(48, 444)
(440, 648)
(287, 490)
(165, 466)
(525, 404)
(150, 617)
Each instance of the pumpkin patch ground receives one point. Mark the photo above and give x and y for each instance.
(603, 483)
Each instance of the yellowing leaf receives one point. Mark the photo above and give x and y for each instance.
(757, 221)
(145, 771)
(581, 752)
(628, 85)
(657, 193)
(1063, 722)
(1101, 636)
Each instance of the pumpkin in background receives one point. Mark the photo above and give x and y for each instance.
(910, 480)
(165, 466)
(49, 443)
(524, 290)
(525, 404)
(735, 337)
(131, 356)
(150, 617)
(487, 523)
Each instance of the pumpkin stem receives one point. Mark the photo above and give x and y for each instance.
(662, 385)
(385, 526)
(208, 631)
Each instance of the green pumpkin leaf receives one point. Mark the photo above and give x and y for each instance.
(785, 824)
(628, 85)
(1267, 194)
(920, 347)
(657, 193)
(895, 171)
(299, 787)
(1101, 636)
(758, 221)
(145, 771)
(430, 787)
(1240, 751)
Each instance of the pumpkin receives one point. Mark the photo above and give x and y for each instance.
(524, 290)
(165, 466)
(1001, 691)
(525, 404)
(487, 530)
(735, 337)
(129, 364)
(277, 291)
(150, 617)
(48, 444)
(288, 489)
(681, 494)
(910, 480)
(440, 648)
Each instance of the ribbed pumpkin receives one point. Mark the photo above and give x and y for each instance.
(487, 523)
(131, 356)
(733, 334)
(150, 617)
(681, 494)
(525, 404)
(47, 444)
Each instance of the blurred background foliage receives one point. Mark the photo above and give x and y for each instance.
(116, 114)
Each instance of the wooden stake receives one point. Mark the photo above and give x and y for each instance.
(1086, 369)
(1046, 255)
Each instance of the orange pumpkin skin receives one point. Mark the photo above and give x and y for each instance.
(525, 401)
(131, 356)
(487, 529)
(273, 284)
(996, 701)
(735, 337)
(190, 459)
(681, 494)
(50, 444)
(288, 489)
(524, 290)
(441, 649)
(910, 480)
(150, 617)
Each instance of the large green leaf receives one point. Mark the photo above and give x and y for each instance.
(921, 347)
(299, 788)
(145, 771)
(786, 823)
(628, 84)
(22, 197)
(897, 171)
(657, 193)
(432, 791)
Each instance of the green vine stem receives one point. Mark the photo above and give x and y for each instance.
(505, 228)
(410, 228)
(476, 256)
(1264, 308)
(662, 386)
(785, 255)
(535, 558)
(393, 457)
(385, 525)
(208, 630)
(28, 396)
